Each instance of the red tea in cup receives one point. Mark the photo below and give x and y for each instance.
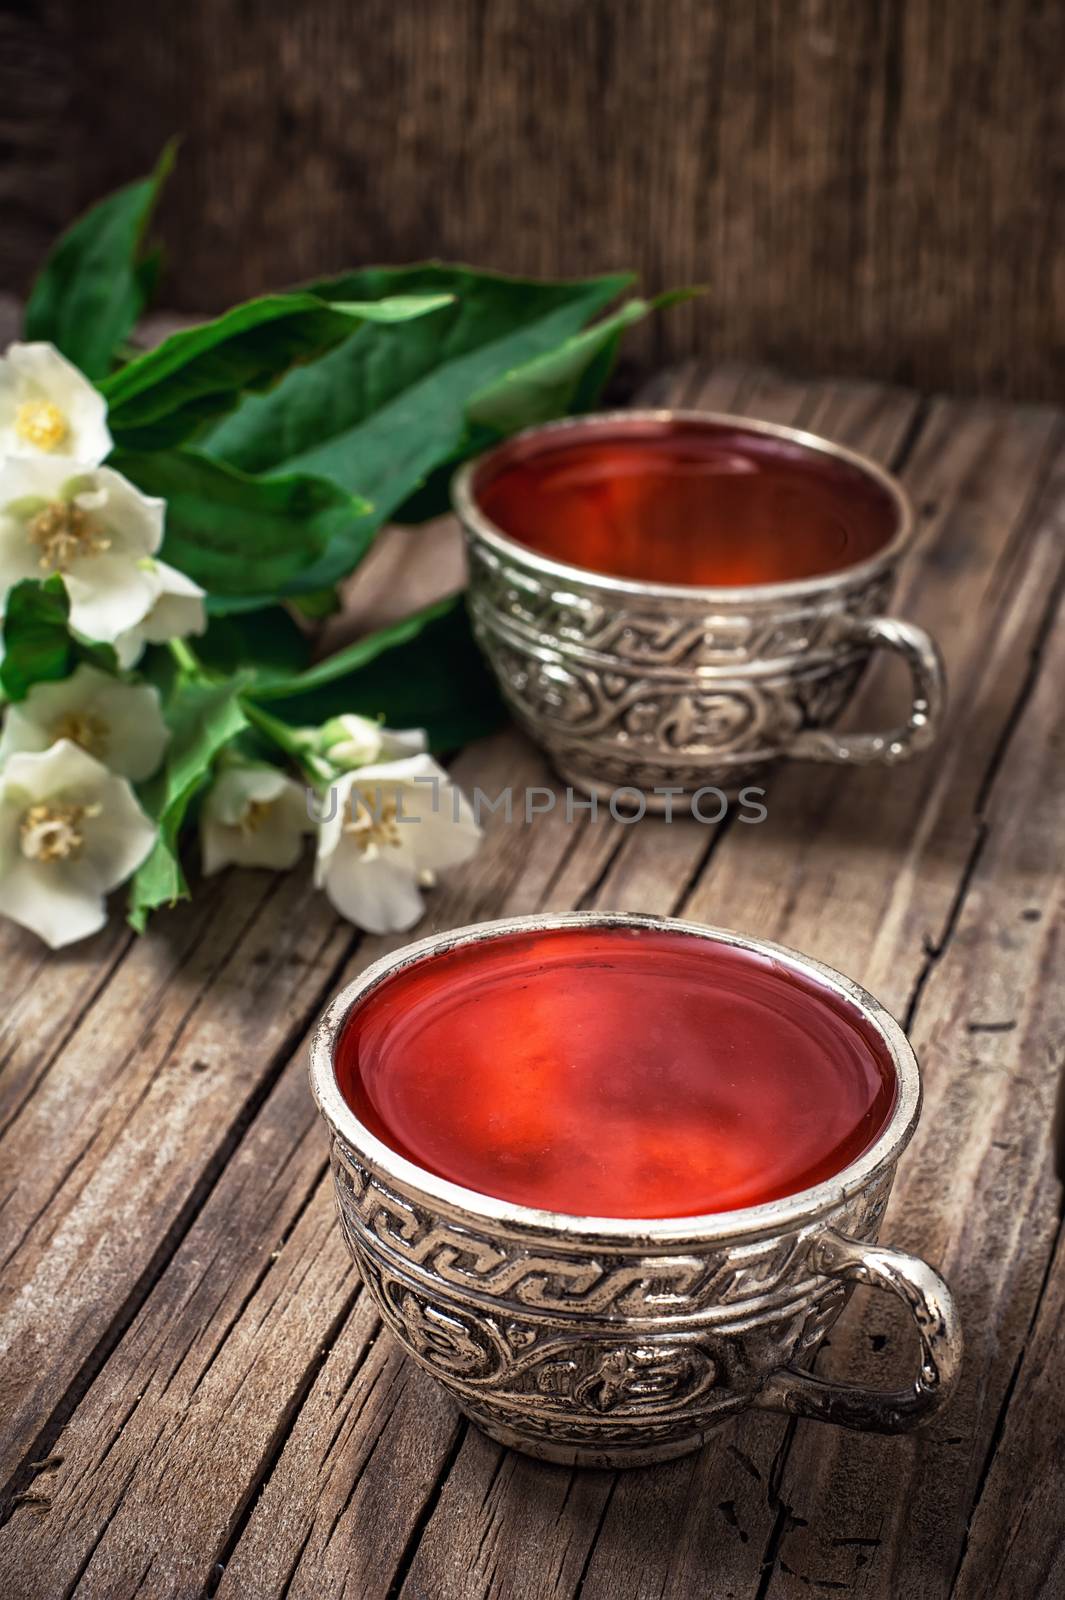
(686, 502)
(616, 1072)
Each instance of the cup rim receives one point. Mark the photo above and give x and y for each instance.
(470, 1207)
(464, 503)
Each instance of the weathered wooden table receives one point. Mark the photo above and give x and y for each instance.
(198, 1399)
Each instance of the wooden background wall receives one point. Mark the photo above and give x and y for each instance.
(868, 186)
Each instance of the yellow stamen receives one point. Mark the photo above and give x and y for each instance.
(255, 814)
(53, 832)
(63, 531)
(41, 424)
(83, 729)
(377, 826)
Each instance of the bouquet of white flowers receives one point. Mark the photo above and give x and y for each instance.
(171, 519)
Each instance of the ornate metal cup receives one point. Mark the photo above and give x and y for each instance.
(610, 1342)
(658, 686)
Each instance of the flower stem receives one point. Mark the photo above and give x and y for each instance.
(185, 657)
(290, 740)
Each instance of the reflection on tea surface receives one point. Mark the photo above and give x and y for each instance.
(616, 1072)
(690, 503)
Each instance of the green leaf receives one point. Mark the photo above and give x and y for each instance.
(93, 286)
(245, 538)
(354, 656)
(388, 406)
(423, 672)
(38, 644)
(565, 381)
(158, 881)
(162, 396)
(203, 719)
(319, 603)
(148, 271)
(267, 644)
(550, 384)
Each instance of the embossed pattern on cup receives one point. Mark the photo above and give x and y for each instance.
(609, 1342)
(627, 683)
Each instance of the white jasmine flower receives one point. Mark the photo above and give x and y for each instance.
(177, 610)
(354, 741)
(90, 525)
(70, 831)
(392, 825)
(253, 816)
(49, 408)
(121, 724)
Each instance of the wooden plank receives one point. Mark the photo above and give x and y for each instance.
(135, 1118)
(1016, 1539)
(285, 1496)
(185, 1415)
(38, 180)
(65, 1106)
(789, 879)
(76, 1047)
(336, 1551)
(977, 1191)
(521, 869)
(154, 1486)
(872, 189)
(46, 998)
(792, 884)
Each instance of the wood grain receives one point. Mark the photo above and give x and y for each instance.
(213, 1370)
(206, 1404)
(977, 1192)
(1016, 1539)
(134, 1120)
(39, 170)
(897, 856)
(866, 189)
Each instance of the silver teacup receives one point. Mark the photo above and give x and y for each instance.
(656, 686)
(617, 1342)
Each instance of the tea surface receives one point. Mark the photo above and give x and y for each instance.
(616, 1073)
(685, 503)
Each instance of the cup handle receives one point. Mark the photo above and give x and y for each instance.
(933, 1310)
(921, 654)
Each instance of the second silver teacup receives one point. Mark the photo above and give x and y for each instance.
(607, 1341)
(658, 686)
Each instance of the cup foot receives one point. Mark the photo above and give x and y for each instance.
(727, 781)
(615, 1456)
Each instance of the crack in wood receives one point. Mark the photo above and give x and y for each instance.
(257, 1282)
(594, 1541)
(935, 954)
(429, 1505)
(171, 1240)
(1002, 1413)
(592, 891)
(66, 1034)
(98, 1537)
(701, 866)
(393, 1377)
(284, 1428)
(614, 871)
